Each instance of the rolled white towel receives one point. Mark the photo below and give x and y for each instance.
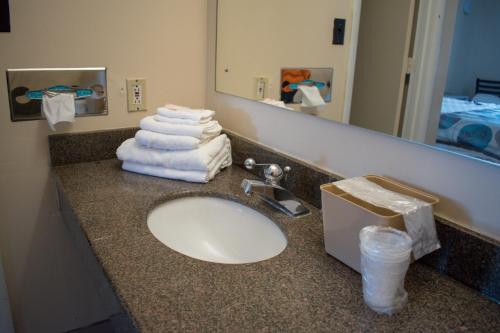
(173, 111)
(182, 121)
(221, 161)
(201, 159)
(167, 142)
(202, 131)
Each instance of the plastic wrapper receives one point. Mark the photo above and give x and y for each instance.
(417, 214)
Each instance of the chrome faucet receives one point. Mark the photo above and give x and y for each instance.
(270, 191)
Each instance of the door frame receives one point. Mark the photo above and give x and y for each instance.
(351, 62)
(432, 48)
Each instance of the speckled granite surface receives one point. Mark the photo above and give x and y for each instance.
(301, 290)
(304, 180)
(469, 257)
(465, 255)
(68, 148)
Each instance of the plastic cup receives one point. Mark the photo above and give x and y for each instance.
(385, 257)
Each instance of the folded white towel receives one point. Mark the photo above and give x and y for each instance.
(202, 131)
(177, 107)
(201, 159)
(174, 111)
(171, 120)
(169, 142)
(58, 108)
(221, 161)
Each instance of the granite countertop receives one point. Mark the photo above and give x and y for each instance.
(301, 290)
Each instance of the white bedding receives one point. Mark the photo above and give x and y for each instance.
(457, 105)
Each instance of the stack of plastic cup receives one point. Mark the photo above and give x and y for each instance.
(385, 257)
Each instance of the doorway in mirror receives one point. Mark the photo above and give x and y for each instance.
(430, 74)
(469, 121)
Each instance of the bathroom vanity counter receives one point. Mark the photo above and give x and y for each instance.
(301, 290)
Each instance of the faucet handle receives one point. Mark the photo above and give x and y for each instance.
(273, 172)
(286, 171)
(250, 163)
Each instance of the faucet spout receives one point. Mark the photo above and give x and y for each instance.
(247, 186)
(276, 196)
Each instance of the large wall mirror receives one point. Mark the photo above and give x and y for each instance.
(426, 71)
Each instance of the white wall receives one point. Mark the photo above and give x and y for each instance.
(468, 188)
(476, 47)
(260, 37)
(163, 41)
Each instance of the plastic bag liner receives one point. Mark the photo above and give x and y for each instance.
(417, 214)
(385, 257)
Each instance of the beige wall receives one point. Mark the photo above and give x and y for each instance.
(163, 41)
(6, 325)
(383, 46)
(257, 38)
(468, 188)
(476, 47)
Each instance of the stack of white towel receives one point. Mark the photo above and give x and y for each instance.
(177, 143)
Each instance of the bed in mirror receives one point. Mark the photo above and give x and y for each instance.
(425, 71)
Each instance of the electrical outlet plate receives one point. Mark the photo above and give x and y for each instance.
(261, 87)
(136, 95)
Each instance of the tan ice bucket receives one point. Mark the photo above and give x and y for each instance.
(344, 216)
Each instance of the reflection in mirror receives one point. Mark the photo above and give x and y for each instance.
(259, 42)
(271, 51)
(470, 111)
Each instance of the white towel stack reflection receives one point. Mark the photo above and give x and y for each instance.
(177, 143)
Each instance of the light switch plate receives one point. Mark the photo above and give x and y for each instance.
(136, 95)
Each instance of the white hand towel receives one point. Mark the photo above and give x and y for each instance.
(167, 142)
(177, 107)
(202, 131)
(174, 111)
(171, 120)
(201, 159)
(417, 214)
(58, 108)
(311, 96)
(221, 161)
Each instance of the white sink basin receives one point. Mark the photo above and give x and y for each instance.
(216, 230)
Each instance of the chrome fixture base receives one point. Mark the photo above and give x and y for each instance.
(271, 192)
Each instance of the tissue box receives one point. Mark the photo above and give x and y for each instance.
(344, 216)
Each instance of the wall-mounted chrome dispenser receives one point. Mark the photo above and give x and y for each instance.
(26, 88)
(292, 78)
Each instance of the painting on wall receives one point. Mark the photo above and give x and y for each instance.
(4, 16)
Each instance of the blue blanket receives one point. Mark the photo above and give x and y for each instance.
(474, 129)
